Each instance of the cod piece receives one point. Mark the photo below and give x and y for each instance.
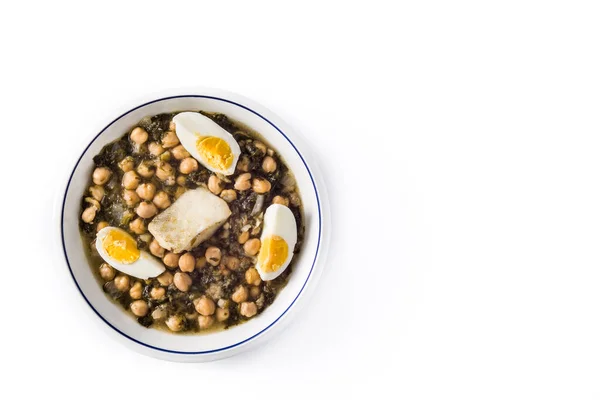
(191, 219)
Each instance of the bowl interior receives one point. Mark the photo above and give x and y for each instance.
(120, 321)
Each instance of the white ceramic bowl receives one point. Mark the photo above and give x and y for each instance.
(307, 268)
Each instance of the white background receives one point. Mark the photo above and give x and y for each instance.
(460, 144)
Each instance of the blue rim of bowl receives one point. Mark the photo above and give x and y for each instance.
(62, 220)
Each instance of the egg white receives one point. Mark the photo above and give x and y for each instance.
(191, 125)
(280, 221)
(146, 266)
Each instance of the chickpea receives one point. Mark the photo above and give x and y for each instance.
(138, 135)
(161, 200)
(131, 198)
(187, 262)
(229, 195)
(252, 246)
(179, 191)
(240, 294)
(242, 182)
(155, 149)
(281, 200)
(146, 210)
(175, 323)
(156, 249)
(97, 192)
(107, 272)
(181, 181)
(200, 262)
(126, 164)
(252, 277)
(248, 309)
(233, 263)
(215, 185)
(131, 180)
(170, 140)
(122, 283)
(182, 281)
(243, 164)
(261, 146)
(136, 291)
(101, 225)
(222, 314)
(254, 292)
(145, 169)
(213, 255)
(101, 175)
(269, 164)
(180, 152)
(89, 214)
(137, 226)
(139, 308)
(146, 191)
(171, 260)
(165, 279)
(188, 165)
(260, 185)
(204, 305)
(243, 237)
(164, 170)
(205, 322)
(157, 293)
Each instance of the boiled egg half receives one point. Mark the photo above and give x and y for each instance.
(119, 249)
(277, 240)
(207, 142)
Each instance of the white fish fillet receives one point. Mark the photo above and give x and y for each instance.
(194, 217)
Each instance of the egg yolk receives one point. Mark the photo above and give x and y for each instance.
(215, 151)
(273, 253)
(121, 247)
